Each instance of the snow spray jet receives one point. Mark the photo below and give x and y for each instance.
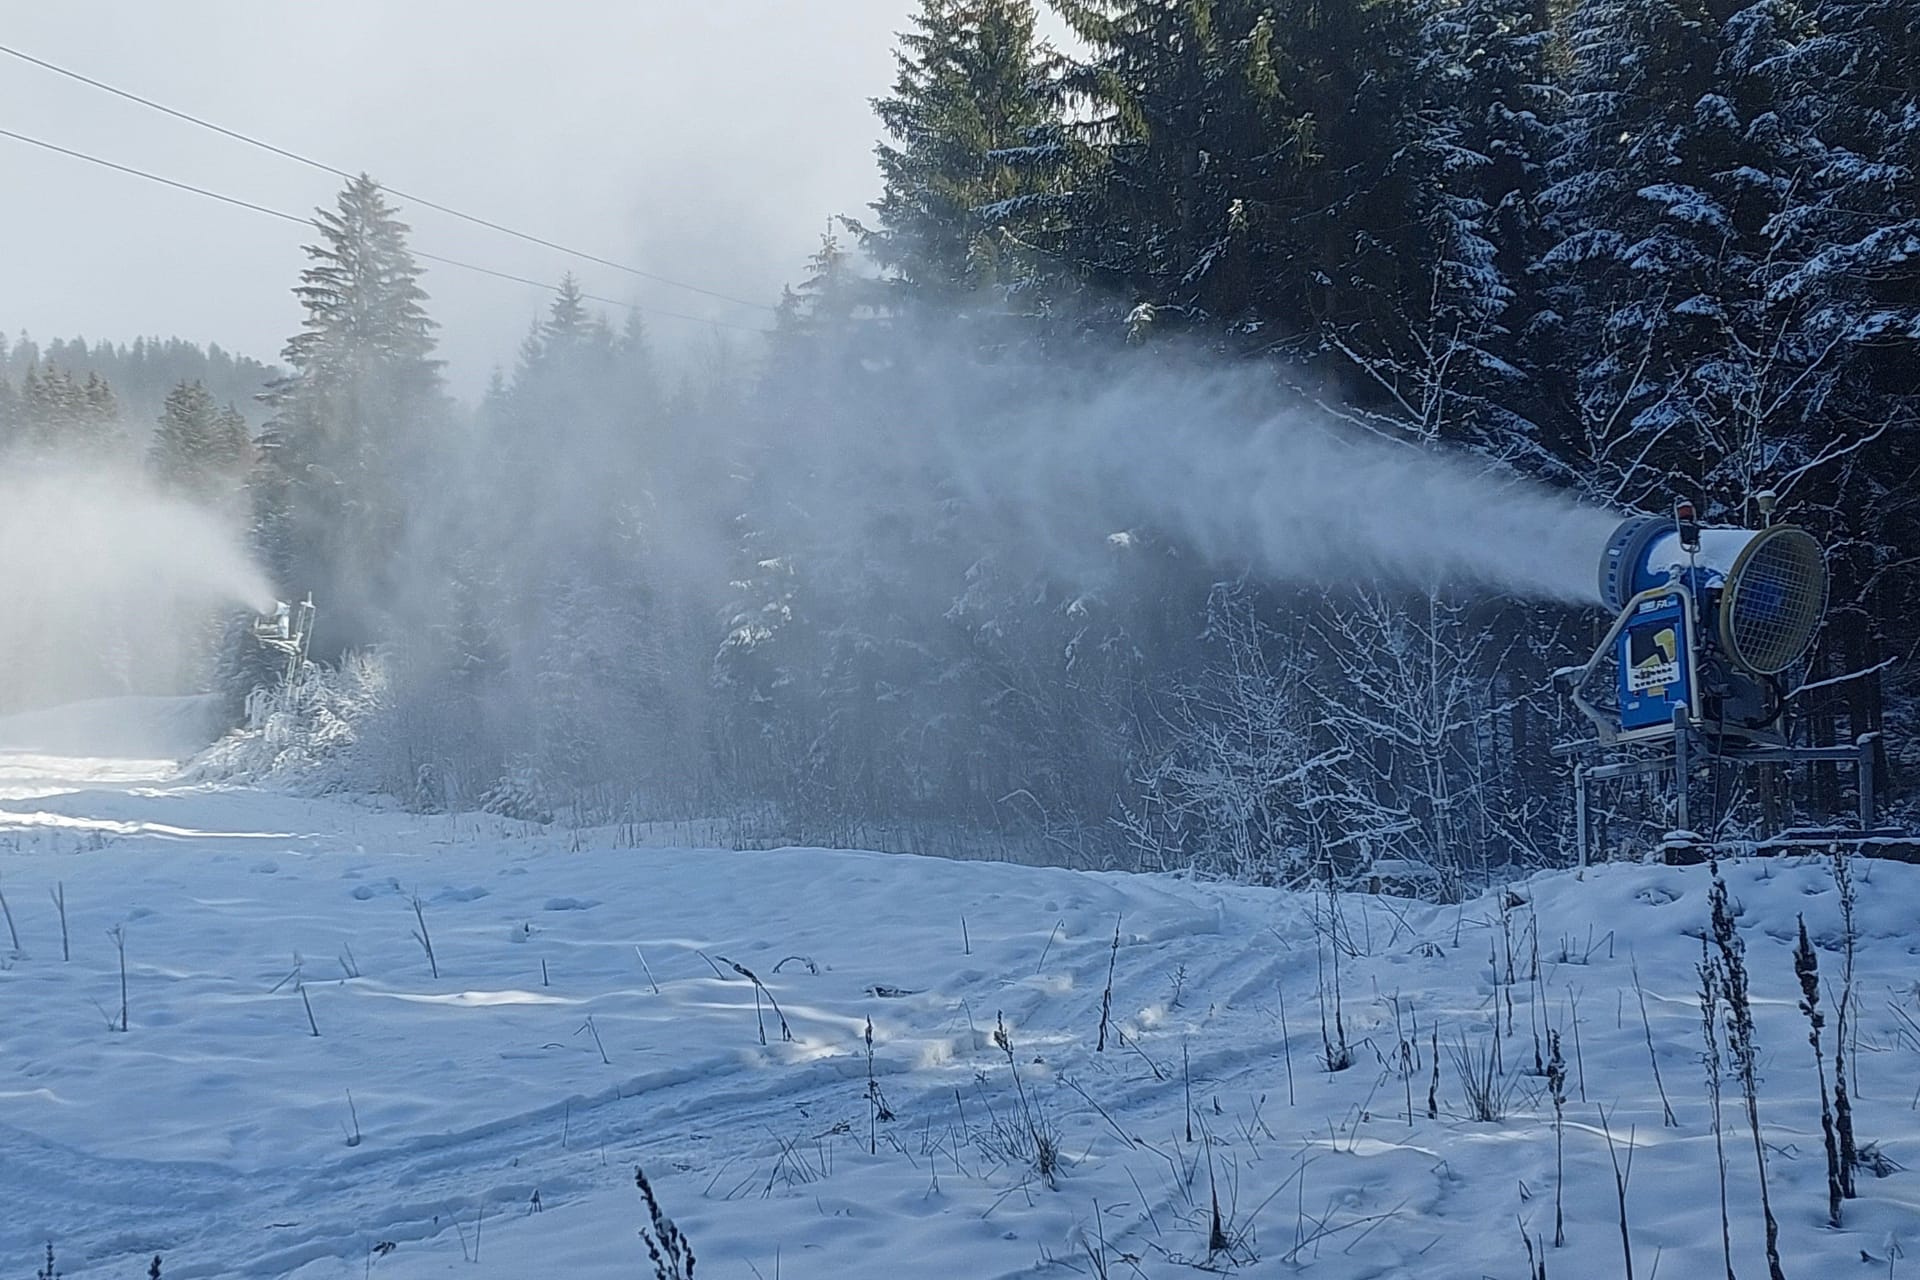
(1292, 495)
(108, 585)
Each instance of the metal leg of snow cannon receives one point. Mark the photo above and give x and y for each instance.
(1580, 813)
(1682, 767)
(1864, 744)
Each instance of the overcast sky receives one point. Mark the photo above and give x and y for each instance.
(706, 141)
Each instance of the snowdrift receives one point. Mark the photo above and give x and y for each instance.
(368, 1043)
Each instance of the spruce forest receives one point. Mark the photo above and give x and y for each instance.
(843, 584)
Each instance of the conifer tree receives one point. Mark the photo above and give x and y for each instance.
(962, 100)
(1848, 263)
(1670, 167)
(62, 416)
(1255, 171)
(9, 412)
(1488, 103)
(353, 422)
(198, 448)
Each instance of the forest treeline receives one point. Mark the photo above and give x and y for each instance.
(1634, 249)
(138, 375)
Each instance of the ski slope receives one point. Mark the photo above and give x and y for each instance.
(587, 1018)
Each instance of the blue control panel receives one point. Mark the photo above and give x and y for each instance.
(1655, 668)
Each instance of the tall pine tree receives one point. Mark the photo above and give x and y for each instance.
(353, 423)
(963, 99)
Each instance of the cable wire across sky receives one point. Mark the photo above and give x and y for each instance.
(424, 256)
(323, 167)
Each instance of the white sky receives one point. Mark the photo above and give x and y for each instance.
(706, 141)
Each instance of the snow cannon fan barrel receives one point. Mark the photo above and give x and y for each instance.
(1771, 584)
(1708, 619)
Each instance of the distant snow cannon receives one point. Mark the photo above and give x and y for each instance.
(1711, 627)
(284, 631)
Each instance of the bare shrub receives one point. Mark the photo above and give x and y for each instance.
(1485, 1089)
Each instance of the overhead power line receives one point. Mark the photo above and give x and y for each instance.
(422, 201)
(154, 177)
(421, 254)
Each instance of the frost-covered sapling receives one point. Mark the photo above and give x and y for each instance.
(59, 896)
(1406, 1054)
(1806, 968)
(1557, 1085)
(1710, 989)
(670, 1251)
(118, 936)
(1433, 1085)
(759, 989)
(1646, 1026)
(1186, 1077)
(1536, 1001)
(1508, 901)
(588, 1028)
(1742, 1050)
(1850, 1156)
(1536, 1259)
(1097, 1261)
(877, 1108)
(1286, 1039)
(421, 935)
(1044, 951)
(7, 911)
(305, 999)
(1106, 996)
(1483, 1086)
(1034, 1139)
(1336, 1055)
(1579, 1058)
(1621, 1177)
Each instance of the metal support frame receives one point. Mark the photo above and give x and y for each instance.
(1690, 748)
(1580, 810)
(288, 632)
(1682, 766)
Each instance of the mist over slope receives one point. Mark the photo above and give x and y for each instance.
(110, 584)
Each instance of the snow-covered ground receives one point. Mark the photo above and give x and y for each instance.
(588, 1018)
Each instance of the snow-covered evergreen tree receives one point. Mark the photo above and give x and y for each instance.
(962, 99)
(199, 448)
(61, 415)
(353, 423)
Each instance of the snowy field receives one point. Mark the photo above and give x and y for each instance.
(588, 1016)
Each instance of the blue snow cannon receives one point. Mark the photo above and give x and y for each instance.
(1708, 620)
